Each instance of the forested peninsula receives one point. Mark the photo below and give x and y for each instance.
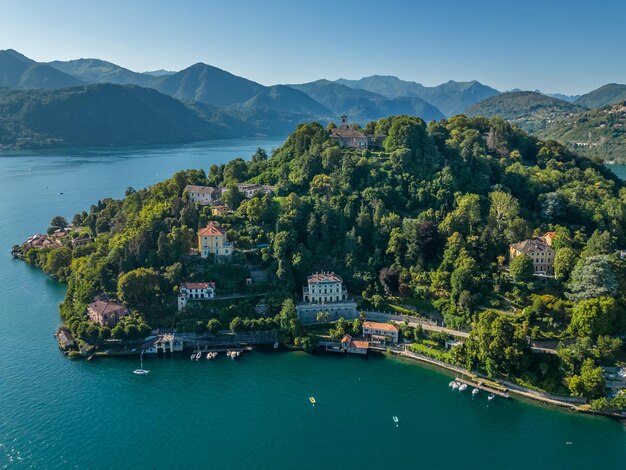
(432, 222)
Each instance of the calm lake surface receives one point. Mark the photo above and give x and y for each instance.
(250, 413)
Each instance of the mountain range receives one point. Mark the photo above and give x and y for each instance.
(450, 98)
(214, 103)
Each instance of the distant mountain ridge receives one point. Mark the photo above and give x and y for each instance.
(18, 71)
(101, 71)
(214, 102)
(450, 98)
(362, 105)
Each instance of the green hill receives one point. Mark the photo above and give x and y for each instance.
(103, 114)
(599, 133)
(427, 221)
(530, 110)
(605, 95)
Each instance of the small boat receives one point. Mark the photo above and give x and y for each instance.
(462, 387)
(491, 397)
(395, 420)
(227, 353)
(141, 370)
(276, 345)
(475, 392)
(312, 400)
(455, 385)
(451, 383)
(209, 355)
(198, 356)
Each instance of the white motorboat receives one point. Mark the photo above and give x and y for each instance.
(193, 356)
(209, 355)
(198, 356)
(491, 397)
(141, 370)
(455, 385)
(462, 387)
(475, 392)
(451, 384)
(395, 420)
(275, 345)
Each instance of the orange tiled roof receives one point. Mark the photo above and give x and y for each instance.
(380, 326)
(211, 230)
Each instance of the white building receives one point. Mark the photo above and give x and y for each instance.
(325, 292)
(195, 291)
(163, 343)
(380, 332)
(354, 346)
(324, 288)
(204, 195)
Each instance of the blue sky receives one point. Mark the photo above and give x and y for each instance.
(555, 46)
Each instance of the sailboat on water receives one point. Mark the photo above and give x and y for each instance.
(141, 370)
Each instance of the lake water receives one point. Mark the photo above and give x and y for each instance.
(250, 413)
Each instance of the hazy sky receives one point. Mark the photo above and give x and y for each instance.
(569, 46)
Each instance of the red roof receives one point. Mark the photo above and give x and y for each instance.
(212, 229)
(198, 285)
(346, 339)
(380, 326)
(361, 344)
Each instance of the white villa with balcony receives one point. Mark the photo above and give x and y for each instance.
(195, 291)
(325, 292)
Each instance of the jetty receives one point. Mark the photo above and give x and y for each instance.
(484, 387)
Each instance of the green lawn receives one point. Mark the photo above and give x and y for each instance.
(434, 353)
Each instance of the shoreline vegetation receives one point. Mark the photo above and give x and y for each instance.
(424, 220)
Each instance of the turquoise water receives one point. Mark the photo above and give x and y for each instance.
(250, 413)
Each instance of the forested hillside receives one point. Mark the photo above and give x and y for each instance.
(426, 221)
(106, 114)
(599, 133)
(529, 110)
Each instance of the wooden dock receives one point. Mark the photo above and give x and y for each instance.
(222, 349)
(481, 386)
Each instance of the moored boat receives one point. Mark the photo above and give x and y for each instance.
(475, 392)
(491, 397)
(462, 387)
(455, 385)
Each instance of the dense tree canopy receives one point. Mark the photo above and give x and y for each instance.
(428, 219)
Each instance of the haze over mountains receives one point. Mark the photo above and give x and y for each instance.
(205, 102)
